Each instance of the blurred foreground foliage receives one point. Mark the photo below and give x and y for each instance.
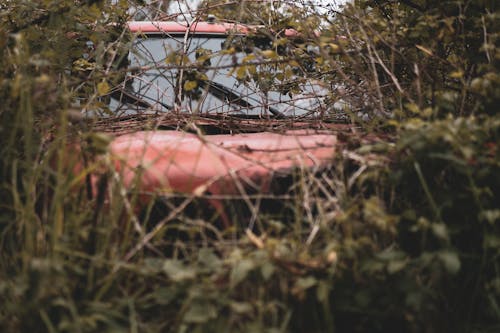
(399, 235)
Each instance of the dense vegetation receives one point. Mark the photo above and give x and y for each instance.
(400, 234)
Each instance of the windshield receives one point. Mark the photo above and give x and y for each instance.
(206, 74)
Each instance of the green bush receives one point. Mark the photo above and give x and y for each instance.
(439, 272)
(400, 234)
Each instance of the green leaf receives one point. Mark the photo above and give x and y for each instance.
(248, 58)
(190, 85)
(208, 259)
(492, 241)
(241, 72)
(440, 230)
(240, 271)
(83, 65)
(200, 311)
(177, 271)
(164, 296)
(241, 307)
(490, 215)
(457, 74)
(389, 255)
(267, 270)
(154, 265)
(103, 88)
(334, 48)
(450, 260)
(98, 142)
(396, 266)
(270, 54)
(412, 107)
(304, 283)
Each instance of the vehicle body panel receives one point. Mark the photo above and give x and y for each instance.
(218, 164)
(195, 27)
(158, 162)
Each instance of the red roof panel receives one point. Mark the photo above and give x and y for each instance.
(173, 27)
(182, 27)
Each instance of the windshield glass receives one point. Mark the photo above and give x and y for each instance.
(208, 74)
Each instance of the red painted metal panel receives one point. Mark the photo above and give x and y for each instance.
(219, 164)
(196, 27)
(182, 27)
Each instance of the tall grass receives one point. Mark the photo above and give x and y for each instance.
(400, 233)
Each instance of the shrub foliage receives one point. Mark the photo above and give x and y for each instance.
(401, 233)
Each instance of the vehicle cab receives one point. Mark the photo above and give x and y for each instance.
(213, 68)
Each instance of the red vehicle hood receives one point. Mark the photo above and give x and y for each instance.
(218, 164)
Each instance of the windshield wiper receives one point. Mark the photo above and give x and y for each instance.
(224, 93)
(124, 95)
(218, 90)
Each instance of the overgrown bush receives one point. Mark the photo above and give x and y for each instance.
(400, 234)
(441, 265)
